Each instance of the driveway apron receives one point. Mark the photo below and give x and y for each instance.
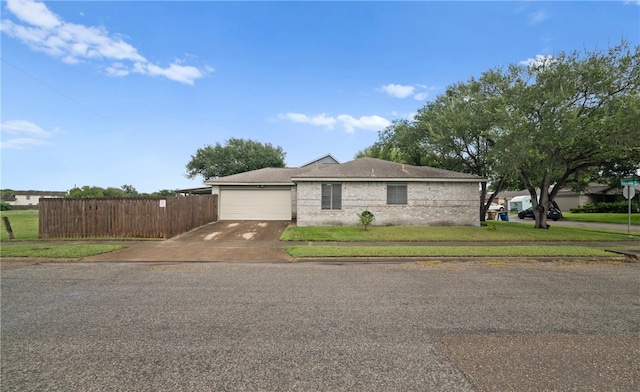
(223, 241)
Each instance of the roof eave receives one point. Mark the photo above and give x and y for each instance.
(252, 183)
(386, 179)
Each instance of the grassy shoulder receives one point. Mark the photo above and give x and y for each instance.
(494, 232)
(57, 251)
(446, 251)
(621, 219)
(24, 224)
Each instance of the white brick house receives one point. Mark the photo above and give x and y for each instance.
(333, 194)
(396, 194)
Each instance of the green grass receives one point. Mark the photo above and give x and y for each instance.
(56, 251)
(622, 219)
(495, 232)
(24, 224)
(446, 251)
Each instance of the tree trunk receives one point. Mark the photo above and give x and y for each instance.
(540, 205)
(483, 206)
(540, 208)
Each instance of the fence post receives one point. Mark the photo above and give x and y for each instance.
(7, 226)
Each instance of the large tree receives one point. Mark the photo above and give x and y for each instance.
(459, 131)
(236, 156)
(567, 117)
(559, 122)
(456, 131)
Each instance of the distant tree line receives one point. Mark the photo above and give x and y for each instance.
(124, 191)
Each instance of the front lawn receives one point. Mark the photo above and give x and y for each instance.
(494, 232)
(619, 218)
(446, 251)
(56, 251)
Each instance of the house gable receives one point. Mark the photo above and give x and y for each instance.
(323, 160)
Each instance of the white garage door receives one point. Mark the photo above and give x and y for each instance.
(257, 204)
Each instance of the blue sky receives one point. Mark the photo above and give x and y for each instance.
(116, 92)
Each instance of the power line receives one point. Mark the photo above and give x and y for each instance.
(59, 92)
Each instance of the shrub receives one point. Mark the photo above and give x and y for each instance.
(4, 206)
(617, 207)
(366, 218)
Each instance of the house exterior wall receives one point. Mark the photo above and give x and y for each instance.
(566, 202)
(33, 198)
(294, 202)
(428, 204)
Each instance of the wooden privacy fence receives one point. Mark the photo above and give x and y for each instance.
(125, 217)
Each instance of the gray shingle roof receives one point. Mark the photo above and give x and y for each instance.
(372, 169)
(267, 175)
(369, 169)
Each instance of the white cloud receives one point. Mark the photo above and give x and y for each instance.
(22, 143)
(538, 17)
(23, 134)
(345, 121)
(44, 31)
(539, 60)
(36, 14)
(421, 96)
(117, 69)
(398, 90)
(402, 91)
(15, 127)
(370, 123)
(318, 120)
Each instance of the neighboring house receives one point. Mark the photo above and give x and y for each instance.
(332, 194)
(29, 199)
(594, 193)
(566, 198)
(323, 160)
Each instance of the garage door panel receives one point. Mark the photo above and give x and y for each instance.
(269, 204)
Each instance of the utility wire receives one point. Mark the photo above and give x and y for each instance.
(59, 92)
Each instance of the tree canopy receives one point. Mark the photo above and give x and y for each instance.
(236, 156)
(559, 122)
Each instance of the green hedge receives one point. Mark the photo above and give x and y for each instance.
(617, 207)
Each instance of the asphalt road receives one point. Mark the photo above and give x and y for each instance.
(313, 327)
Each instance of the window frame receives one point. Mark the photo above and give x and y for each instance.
(333, 192)
(399, 195)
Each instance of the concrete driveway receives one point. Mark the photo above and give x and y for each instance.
(221, 241)
(234, 231)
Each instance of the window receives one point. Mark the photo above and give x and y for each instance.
(396, 193)
(331, 196)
